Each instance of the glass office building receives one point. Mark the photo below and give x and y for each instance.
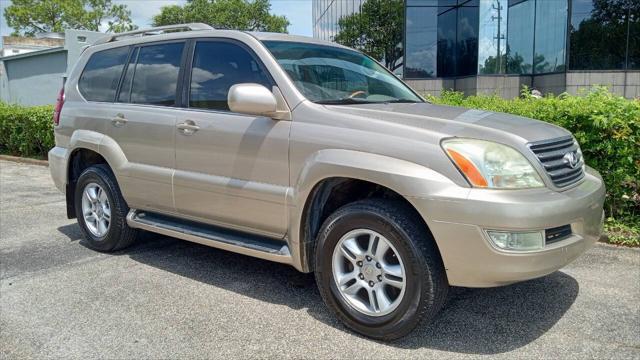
(499, 45)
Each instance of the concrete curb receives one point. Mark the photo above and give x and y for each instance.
(24, 160)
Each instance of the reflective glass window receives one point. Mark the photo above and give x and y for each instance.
(127, 81)
(492, 37)
(467, 39)
(424, 2)
(520, 31)
(328, 74)
(217, 66)
(447, 32)
(550, 36)
(421, 41)
(634, 38)
(100, 77)
(155, 79)
(598, 35)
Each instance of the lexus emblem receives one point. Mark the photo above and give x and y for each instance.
(571, 159)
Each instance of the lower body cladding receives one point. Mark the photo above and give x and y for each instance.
(461, 228)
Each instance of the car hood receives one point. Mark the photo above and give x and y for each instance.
(457, 121)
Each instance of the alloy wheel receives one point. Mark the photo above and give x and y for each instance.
(369, 272)
(96, 210)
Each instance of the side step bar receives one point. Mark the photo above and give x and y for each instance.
(210, 235)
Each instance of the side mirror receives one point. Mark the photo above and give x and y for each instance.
(252, 99)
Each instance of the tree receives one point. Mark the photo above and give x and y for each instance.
(28, 17)
(249, 15)
(376, 30)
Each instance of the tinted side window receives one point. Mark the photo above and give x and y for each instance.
(216, 67)
(155, 77)
(125, 88)
(100, 77)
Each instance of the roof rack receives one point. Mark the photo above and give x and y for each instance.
(154, 31)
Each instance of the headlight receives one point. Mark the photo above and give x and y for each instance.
(491, 165)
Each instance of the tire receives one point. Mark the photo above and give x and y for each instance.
(425, 285)
(118, 234)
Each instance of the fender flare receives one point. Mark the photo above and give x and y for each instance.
(98, 143)
(101, 144)
(404, 177)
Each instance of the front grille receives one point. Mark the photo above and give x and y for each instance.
(557, 234)
(555, 155)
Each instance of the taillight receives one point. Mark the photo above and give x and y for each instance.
(58, 108)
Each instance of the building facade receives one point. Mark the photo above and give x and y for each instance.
(35, 75)
(497, 46)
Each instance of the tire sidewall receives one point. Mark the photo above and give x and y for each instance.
(337, 226)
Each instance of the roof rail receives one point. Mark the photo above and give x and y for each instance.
(152, 31)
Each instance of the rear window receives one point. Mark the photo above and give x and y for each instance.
(100, 77)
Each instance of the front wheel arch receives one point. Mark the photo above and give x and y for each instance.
(330, 194)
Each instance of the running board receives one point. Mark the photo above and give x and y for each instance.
(211, 235)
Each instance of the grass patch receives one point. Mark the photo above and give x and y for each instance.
(620, 232)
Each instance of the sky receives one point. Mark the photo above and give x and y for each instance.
(297, 11)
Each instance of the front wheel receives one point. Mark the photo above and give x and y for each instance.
(378, 268)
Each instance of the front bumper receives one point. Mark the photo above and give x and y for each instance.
(458, 223)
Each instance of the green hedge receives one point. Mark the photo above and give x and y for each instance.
(26, 131)
(606, 126)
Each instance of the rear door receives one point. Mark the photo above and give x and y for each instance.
(233, 169)
(143, 123)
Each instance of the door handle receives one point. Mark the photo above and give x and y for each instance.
(119, 120)
(188, 127)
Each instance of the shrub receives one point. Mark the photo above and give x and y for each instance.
(26, 131)
(606, 126)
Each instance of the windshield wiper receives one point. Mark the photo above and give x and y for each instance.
(353, 101)
(407, 101)
(345, 101)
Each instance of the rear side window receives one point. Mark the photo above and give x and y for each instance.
(216, 67)
(100, 77)
(125, 88)
(152, 75)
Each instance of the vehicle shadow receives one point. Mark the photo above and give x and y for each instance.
(473, 321)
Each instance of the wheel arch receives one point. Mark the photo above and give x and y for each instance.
(333, 178)
(89, 148)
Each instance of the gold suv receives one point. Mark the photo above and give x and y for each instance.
(312, 154)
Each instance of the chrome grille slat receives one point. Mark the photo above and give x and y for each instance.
(571, 180)
(555, 154)
(552, 146)
(555, 174)
(551, 154)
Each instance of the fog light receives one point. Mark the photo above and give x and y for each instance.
(507, 240)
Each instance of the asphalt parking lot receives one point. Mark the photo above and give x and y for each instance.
(165, 298)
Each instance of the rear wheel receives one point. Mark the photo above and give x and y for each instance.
(102, 211)
(378, 269)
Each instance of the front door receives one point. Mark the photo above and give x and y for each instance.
(231, 169)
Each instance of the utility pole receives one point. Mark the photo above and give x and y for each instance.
(498, 7)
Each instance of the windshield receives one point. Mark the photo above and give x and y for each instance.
(332, 75)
